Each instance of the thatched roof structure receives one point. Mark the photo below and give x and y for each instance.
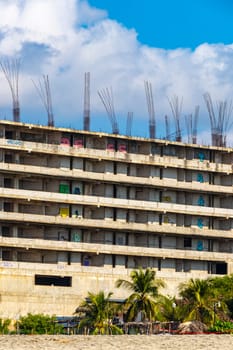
(192, 327)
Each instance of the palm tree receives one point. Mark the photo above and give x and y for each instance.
(198, 298)
(169, 309)
(223, 291)
(98, 311)
(145, 289)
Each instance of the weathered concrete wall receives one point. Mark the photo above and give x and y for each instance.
(20, 295)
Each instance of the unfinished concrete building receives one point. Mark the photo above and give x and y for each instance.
(80, 209)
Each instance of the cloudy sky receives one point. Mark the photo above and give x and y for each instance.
(182, 47)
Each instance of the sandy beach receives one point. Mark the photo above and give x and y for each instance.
(126, 342)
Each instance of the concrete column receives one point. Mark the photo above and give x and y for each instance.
(17, 135)
(15, 231)
(16, 182)
(14, 234)
(17, 158)
(229, 267)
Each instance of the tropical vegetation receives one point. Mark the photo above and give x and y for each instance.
(169, 309)
(145, 289)
(99, 312)
(4, 325)
(209, 301)
(222, 327)
(198, 299)
(38, 324)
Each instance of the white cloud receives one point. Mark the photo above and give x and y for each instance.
(65, 38)
(89, 15)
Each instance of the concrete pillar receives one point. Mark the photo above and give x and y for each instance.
(16, 182)
(15, 207)
(14, 234)
(15, 231)
(17, 161)
(17, 135)
(229, 267)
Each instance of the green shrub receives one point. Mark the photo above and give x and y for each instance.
(38, 324)
(4, 325)
(222, 327)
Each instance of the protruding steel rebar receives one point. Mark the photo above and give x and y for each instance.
(176, 108)
(106, 96)
(43, 89)
(11, 69)
(221, 122)
(151, 110)
(191, 125)
(86, 112)
(129, 123)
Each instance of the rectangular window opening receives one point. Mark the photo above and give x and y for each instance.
(49, 280)
(187, 242)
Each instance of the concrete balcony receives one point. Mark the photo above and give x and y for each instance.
(114, 178)
(110, 202)
(166, 161)
(94, 248)
(21, 268)
(111, 225)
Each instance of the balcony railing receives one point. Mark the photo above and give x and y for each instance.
(165, 161)
(39, 244)
(119, 178)
(111, 225)
(97, 201)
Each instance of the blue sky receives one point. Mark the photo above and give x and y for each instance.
(183, 48)
(171, 24)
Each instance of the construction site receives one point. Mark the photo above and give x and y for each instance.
(81, 209)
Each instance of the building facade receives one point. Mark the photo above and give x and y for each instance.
(81, 209)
